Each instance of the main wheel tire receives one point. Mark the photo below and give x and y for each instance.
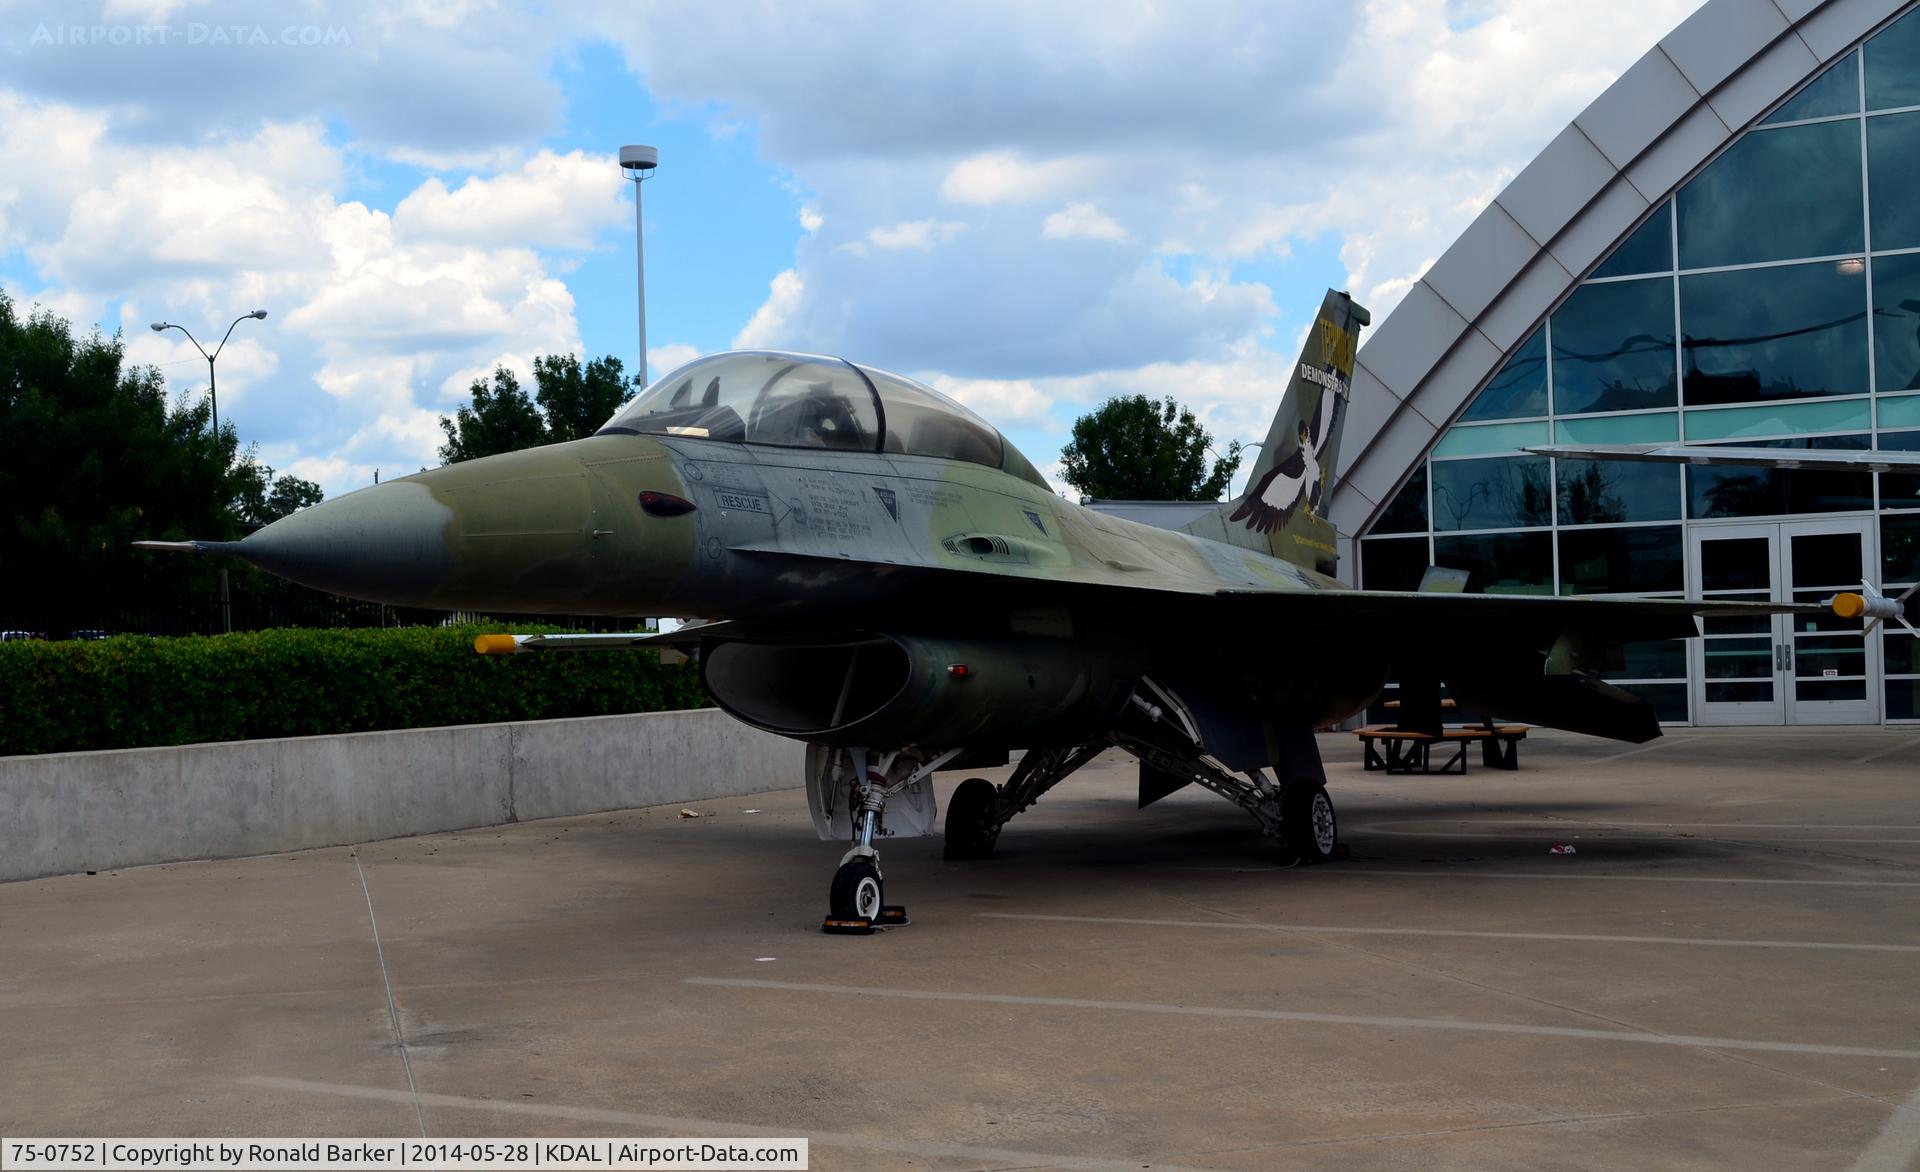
(857, 891)
(1310, 830)
(970, 829)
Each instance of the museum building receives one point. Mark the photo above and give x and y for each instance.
(1724, 248)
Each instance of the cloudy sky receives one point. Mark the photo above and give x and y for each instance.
(1034, 206)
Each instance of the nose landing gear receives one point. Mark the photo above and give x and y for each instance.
(856, 903)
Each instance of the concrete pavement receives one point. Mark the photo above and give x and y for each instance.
(1721, 975)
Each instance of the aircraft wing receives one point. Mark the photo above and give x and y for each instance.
(1843, 459)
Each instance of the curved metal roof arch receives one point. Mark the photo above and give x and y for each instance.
(1657, 125)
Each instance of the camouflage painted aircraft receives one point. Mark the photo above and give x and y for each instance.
(885, 578)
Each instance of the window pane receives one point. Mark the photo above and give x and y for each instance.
(1775, 195)
(1613, 348)
(1893, 65)
(1896, 322)
(1407, 511)
(1775, 333)
(1730, 491)
(1648, 250)
(1893, 157)
(1605, 492)
(1620, 429)
(1395, 564)
(1618, 561)
(1502, 563)
(1900, 412)
(1900, 548)
(1736, 563)
(1491, 494)
(1824, 559)
(1903, 699)
(1482, 438)
(1778, 419)
(1655, 659)
(1519, 391)
(1900, 490)
(1669, 700)
(1837, 91)
(1903, 650)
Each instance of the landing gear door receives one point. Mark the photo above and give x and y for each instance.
(911, 813)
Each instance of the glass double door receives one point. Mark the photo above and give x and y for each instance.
(1782, 669)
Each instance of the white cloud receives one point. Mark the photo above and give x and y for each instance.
(551, 200)
(662, 359)
(771, 323)
(918, 234)
(1082, 221)
(1003, 176)
(810, 220)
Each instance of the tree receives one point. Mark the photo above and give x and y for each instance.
(102, 457)
(570, 401)
(1133, 449)
(501, 418)
(266, 497)
(577, 401)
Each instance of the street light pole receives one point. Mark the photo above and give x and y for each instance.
(638, 162)
(213, 392)
(213, 396)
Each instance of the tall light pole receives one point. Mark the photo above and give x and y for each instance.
(212, 392)
(638, 162)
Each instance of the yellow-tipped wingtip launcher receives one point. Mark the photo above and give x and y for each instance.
(496, 644)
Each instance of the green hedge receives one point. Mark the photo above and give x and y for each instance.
(132, 690)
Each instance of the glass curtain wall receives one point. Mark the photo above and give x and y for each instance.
(1773, 301)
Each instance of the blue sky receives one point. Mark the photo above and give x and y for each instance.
(1033, 207)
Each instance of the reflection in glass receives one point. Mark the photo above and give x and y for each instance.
(1504, 493)
(1893, 157)
(1903, 650)
(1755, 692)
(1736, 563)
(1392, 563)
(1648, 250)
(1775, 195)
(1896, 322)
(1669, 700)
(1893, 65)
(1519, 391)
(1407, 511)
(1900, 490)
(1613, 347)
(1733, 659)
(1827, 691)
(1903, 699)
(1837, 91)
(1618, 561)
(1654, 659)
(1825, 559)
(1502, 563)
(1775, 333)
(1900, 549)
(1604, 492)
(1732, 491)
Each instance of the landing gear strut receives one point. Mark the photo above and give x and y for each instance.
(856, 903)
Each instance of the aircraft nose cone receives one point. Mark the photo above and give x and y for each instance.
(387, 544)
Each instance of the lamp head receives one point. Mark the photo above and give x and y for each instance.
(259, 313)
(158, 326)
(638, 160)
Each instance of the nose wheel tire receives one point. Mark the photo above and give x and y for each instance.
(970, 830)
(1309, 830)
(857, 902)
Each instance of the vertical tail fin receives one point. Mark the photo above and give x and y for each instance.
(1281, 512)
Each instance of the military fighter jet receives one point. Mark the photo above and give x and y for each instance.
(886, 579)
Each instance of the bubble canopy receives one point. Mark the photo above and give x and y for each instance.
(776, 399)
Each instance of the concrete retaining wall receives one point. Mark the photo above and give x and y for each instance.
(67, 812)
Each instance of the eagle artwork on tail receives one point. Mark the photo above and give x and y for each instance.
(1293, 479)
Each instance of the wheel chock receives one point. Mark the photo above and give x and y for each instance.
(849, 927)
(892, 916)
